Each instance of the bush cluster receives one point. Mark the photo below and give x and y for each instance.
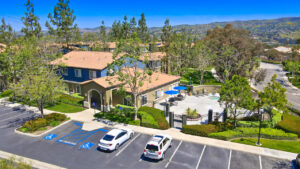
(6, 93)
(53, 119)
(205, 129)
(268, 133)
(64, 98)
(158, 116)
(147, 120)
(290, 123)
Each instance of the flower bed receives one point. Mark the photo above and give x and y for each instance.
(41, 124)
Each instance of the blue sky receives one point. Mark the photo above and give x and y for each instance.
(90, 12)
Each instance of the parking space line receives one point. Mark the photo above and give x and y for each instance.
(200, 156)
(260, 165)
(127, 145)
(173, 154)
(229, 159)
(13, 117)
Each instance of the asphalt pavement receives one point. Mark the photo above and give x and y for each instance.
(292, 93)
(72, 147)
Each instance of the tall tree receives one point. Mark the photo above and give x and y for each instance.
(203, 57)
(274, 96)
(7, 35)
(31, 22)
(102, 32)
(63, 20)
(132, 26)
(116, 31)
(126, 69)
(236, 94)
(39, 81)
(236, 48)
(125, 28)
(166, 40)
(142, 29)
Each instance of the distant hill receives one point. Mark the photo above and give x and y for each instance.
(282, 30)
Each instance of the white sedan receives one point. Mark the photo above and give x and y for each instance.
(114, 138)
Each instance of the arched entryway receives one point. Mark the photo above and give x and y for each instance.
(95, 99)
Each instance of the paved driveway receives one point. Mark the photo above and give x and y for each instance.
(292, 94)
(76, 148)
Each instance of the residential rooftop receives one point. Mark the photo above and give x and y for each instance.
(156, 80)
(85, 59)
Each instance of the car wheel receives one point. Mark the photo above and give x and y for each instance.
(117, 147)
(131, 135)
(170, 145)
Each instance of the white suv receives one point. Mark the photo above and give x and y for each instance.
(114, 138)
(157, 146)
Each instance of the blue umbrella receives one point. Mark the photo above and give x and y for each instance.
(171, 92)
(180, 88)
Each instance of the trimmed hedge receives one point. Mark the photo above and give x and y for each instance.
(268, 133)
(158, 116)
(147, 120)
(290, 123)
(64, 98)
(199, 130)
(205, 129)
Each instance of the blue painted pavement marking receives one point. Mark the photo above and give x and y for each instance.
(50, 136)
(77, 136)
(87, 145)
(78, 124)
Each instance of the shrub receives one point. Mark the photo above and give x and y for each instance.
(296, 111)
(34, 125)
(55, 117)
(158, 116)
(23, 129)
(98, 115)
(290, 123)
(253, 132)
(254, 117)
(6, 93)
(147, 120)
(199, 130)
(64, 98)
(54, 123)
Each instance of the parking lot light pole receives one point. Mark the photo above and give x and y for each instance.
(261, 111)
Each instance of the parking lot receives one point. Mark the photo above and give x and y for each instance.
(71, 147)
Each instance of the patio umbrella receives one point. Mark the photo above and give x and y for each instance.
(171, 92)
(180, 88)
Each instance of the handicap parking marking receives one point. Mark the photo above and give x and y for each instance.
(78, 135)
(87, 145)
(50, 136)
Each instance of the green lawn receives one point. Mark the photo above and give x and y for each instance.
(65, 108)
(195, 78)
(290, 146)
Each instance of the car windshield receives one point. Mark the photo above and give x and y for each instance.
(152, 147)
(108, 137)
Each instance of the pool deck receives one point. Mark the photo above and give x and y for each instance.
(201, 103)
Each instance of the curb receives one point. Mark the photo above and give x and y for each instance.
(32, 162)
(32, 135)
